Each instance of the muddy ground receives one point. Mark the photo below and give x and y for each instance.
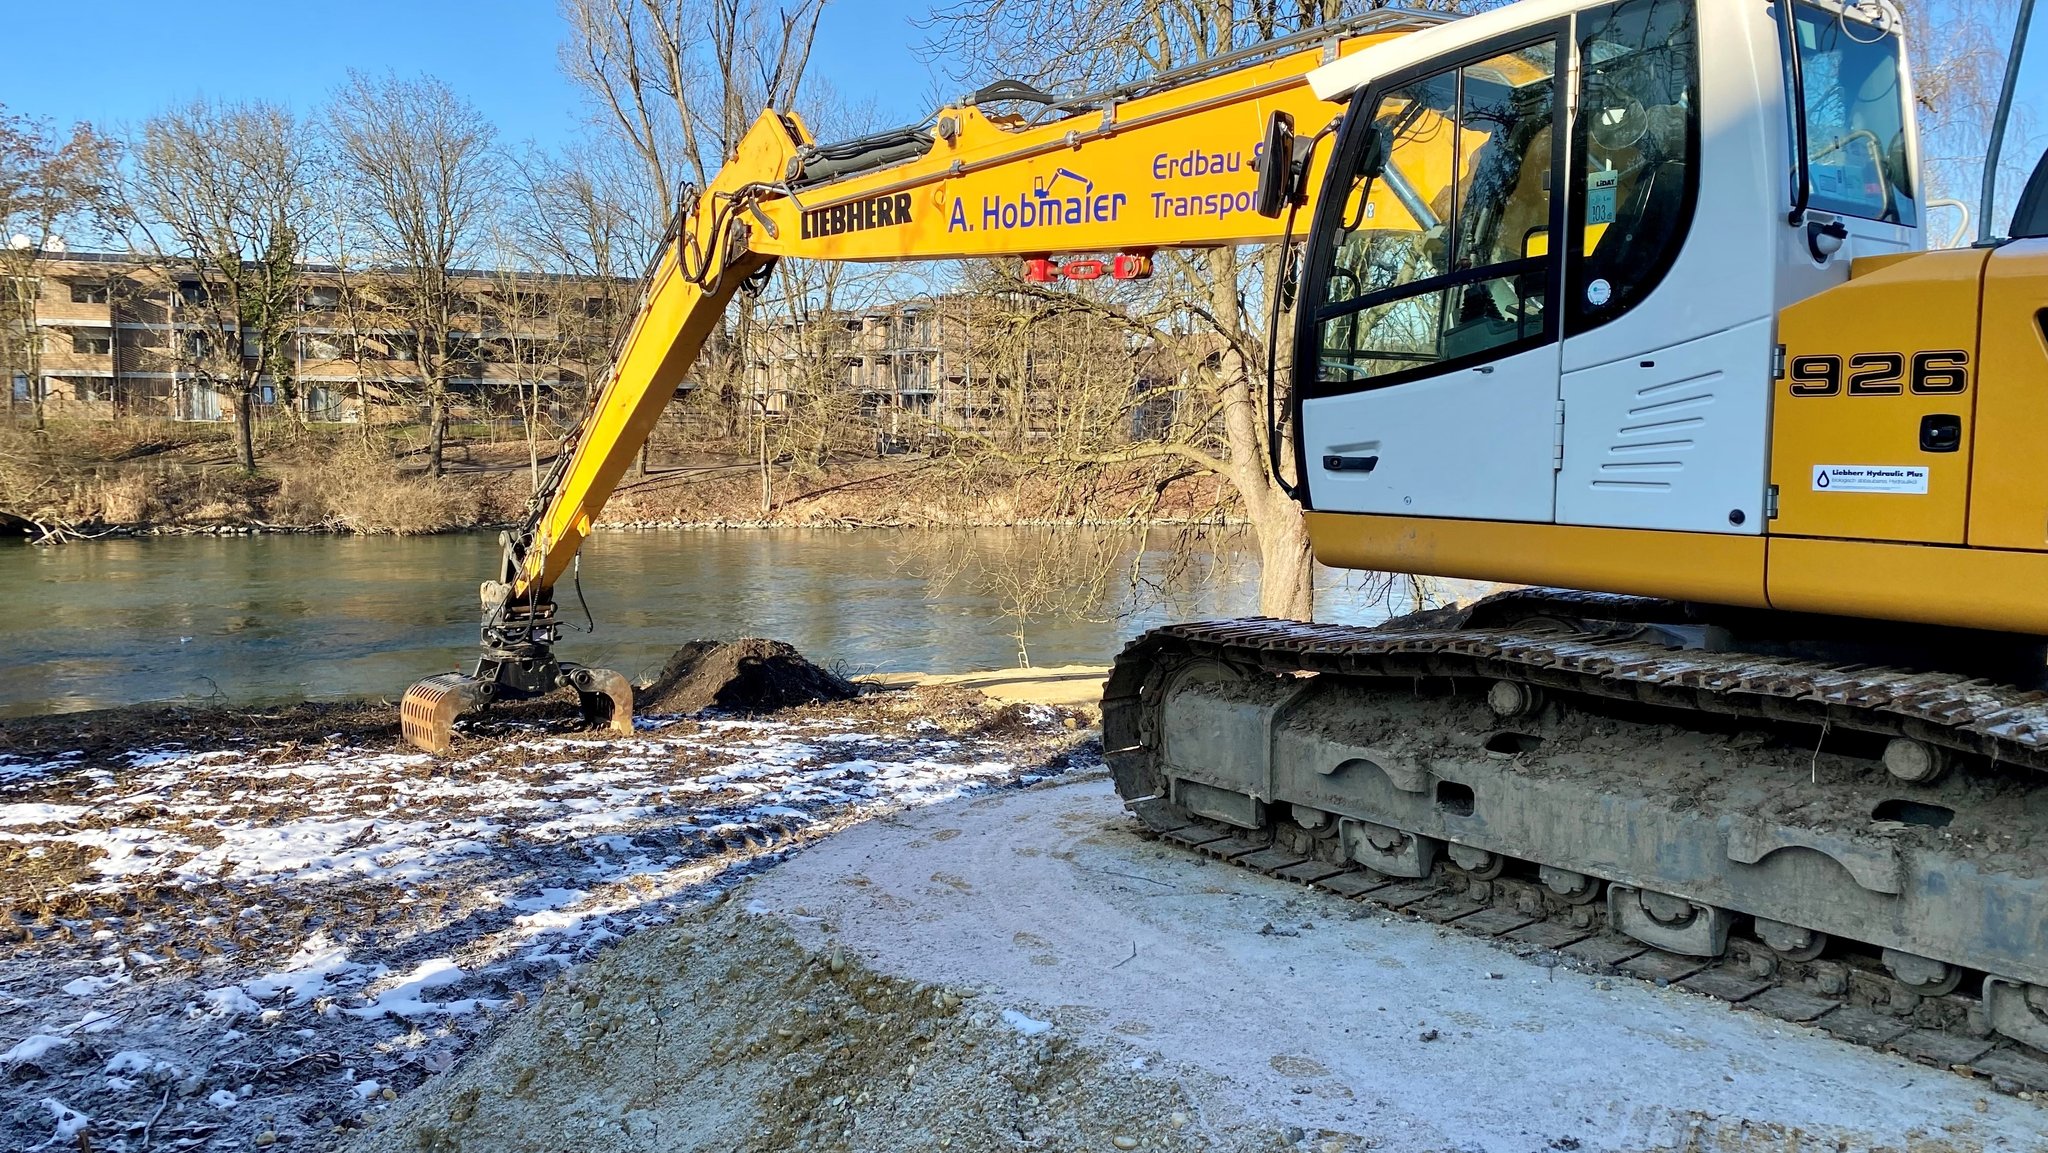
(232, 928)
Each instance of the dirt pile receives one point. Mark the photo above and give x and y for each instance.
(750, 675)
(724, 1032)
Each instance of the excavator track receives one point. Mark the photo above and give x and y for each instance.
(1722, 821)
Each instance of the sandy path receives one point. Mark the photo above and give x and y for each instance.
(1063, 685)
(1348, 1025)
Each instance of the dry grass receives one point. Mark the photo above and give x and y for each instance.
(139, 473)
(359, 488)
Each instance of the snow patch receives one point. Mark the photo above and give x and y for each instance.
(34, 1048)
(1029, 1026)
(229, 1001)
(70, 1122)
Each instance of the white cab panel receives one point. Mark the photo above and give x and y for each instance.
(1469, 444)
(1672, 440)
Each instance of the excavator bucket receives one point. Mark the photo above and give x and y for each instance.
(607, 699)
(427, 715)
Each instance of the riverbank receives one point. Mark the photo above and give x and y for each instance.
(244, 927)
(93, 482)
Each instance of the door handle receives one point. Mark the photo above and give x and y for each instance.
(1484, 368)
(1334, 463)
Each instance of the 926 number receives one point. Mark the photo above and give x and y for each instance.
(1940, 373)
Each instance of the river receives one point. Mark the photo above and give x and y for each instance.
(275, 618)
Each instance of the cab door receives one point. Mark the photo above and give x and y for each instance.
(1429, 357)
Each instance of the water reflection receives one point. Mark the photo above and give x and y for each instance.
(287, 618)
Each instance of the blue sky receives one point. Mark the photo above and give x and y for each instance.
(116, 61)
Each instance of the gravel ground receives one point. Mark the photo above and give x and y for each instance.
(724, 1032)
(1023, 971)
(229, 930)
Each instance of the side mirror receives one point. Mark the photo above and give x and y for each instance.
(1372, 159)
(1276, 167)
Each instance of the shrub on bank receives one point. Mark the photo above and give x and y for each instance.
(358, 488)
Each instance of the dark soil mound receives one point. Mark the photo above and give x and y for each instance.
(743, 676)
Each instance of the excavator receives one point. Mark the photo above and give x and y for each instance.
(1628, 304)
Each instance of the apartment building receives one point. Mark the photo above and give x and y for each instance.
(957, 361)
(93, 336)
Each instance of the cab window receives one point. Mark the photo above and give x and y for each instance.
(1855, 117)
(1441, 251)
(1636, 147)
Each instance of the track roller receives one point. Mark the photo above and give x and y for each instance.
(1916, 762)
(1576, 888)
(1923, 975)
(1512, 699)
(1670, 923)
(1792, 942)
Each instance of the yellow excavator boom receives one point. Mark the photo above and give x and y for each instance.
(1169, 163)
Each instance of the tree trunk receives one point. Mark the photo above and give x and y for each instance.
(532, 443)
(245, 428)
(437, 431)
(1287, 569)
(767, 492)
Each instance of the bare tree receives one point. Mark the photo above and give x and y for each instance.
(229, 193)
(46, 185)
(1958, 68)
(674, 84)
(423, 168)
(1209, 307)
(679, 81)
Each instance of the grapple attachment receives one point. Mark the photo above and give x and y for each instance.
(427, 714)
(607, 699)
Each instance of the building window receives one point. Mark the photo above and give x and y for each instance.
(322, 403)
(321, 298)
(191, 292)
(92, 341)
(88, 292)
(81, 388)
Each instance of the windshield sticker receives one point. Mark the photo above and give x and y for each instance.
(1600, 197)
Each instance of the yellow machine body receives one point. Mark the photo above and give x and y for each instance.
(1911, 483)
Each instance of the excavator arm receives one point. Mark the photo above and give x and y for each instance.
(1104, 180)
